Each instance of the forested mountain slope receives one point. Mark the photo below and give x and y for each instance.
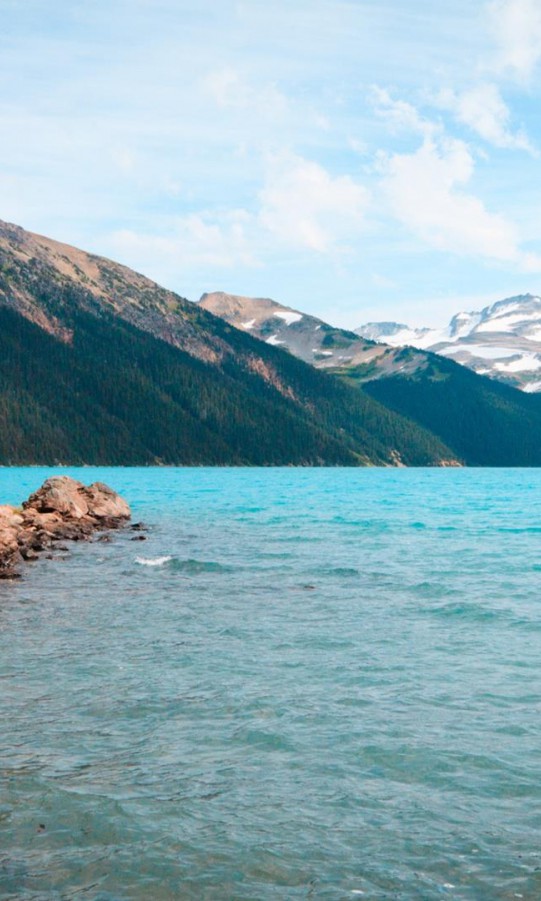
(100, 365)
(484, 422)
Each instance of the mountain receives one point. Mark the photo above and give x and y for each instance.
(98, 364)
(502, 341)
(312, 340)
(483, 422)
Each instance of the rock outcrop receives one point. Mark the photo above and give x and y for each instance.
(61, 510)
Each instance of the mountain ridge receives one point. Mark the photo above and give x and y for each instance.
(503, 340)
(311, 339)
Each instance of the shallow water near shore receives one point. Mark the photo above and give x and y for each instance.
(305, 683)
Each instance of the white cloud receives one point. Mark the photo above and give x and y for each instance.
(214, 240)
(230, 90)
(304, 206)
(516, 28)
(300, 206)
(483, 109)
(399, 114)
(425, 191)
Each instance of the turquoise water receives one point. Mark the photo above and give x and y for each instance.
(328, 689)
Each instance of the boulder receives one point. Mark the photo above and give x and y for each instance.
(35, 520)
(65, 497)
(10, 518)
(103, 502)
(59, 495)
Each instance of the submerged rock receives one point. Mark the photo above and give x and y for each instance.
(62, 509)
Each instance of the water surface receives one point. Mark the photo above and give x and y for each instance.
(319, 684)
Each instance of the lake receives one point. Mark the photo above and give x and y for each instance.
(305, 683)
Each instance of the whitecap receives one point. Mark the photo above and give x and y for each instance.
(152, 561)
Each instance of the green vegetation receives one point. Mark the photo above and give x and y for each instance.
(483, 421)
(337, 338)
(118, 395)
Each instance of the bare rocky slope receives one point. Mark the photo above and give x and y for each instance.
(309, 338)
(98, 364)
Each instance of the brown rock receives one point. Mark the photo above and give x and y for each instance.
(62, 509)
(27, 539)
(103, 502)
(73, 531)
(45, 521)
(10, 518)
(60, 495)
(10, 556)
(28, 554)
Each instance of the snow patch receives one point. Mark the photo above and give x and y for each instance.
(480, 350)
(502, 323)
(533, 335)
(525, 363)
(463, 324)
(289, 316)
(249, 324)
(274, 341)
(506, 308)
(421, 338)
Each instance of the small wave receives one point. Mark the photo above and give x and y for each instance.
(190, 566)
(152, 561)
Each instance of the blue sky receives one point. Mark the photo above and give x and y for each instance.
(357, 159)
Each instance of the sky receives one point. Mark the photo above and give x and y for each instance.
(357, 159)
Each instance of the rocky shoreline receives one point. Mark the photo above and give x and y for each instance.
(61, 510)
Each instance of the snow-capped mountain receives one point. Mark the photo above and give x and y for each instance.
(502, 340)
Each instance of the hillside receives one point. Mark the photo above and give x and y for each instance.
(481, 420)
(100, 365)
(485, 423)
